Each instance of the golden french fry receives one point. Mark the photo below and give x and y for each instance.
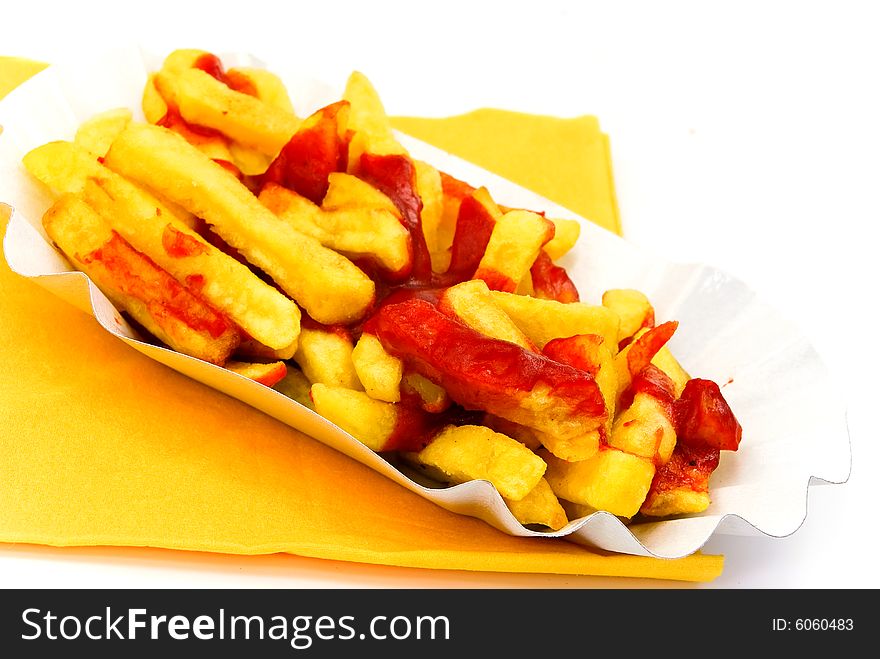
(372, 132)
(268, 86)
(267, 374)
(576, 511)
(681, 486)
(574, 449)
(379, 372)
(64, 167)
(259, 309)
(151, 228)
(565, 236)
(326, 284)
(355, 232)
(472, 303)
(540, 506)
(526, 436)
(633, 307)
(544, 320)
(96, 134)
(181, 59)
(205, 101)
(296, 385)
(516, 240)
(430, 189)
(644, 429)
(153, 105)
(136, 285)
(611, 480)
(370, 421)
(347, 191)
(463, 453)
(665, 361)
(432, 397)
(325, 356)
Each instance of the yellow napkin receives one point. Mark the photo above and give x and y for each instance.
(99, 445)
(14, 71)
(566, 160)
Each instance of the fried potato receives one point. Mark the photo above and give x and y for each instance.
(463, 453)
(540, 506)
(378, 372)
(545, 320)
(430, 189)
(295, 385)
(151, 228)
(96, 134)
(565, 236)
(259, 309)
(153, 105)
(64, 167)
(526, 286)
(574, 449)
(325, 356)
(370, 421)
(251, 349)
(666, 362)
(516, 240)
(267, 374)
(268, 87)
(611, 480)
(526, 436)
(356, 232)
(590, 353)
(432, 397)
(205, 101)
(681, 486)
(372, 132)
(347, 191)
(137, 286)
(181, 59)
(478, 214)
(644, 429)
(633, 307)
(472, 303)
(326, 284)
(576, 510)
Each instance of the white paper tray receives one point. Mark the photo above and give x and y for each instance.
(794, 425)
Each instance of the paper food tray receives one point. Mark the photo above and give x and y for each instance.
(794, 426)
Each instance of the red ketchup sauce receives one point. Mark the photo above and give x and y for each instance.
(479, 372)
(551, 281)
(179, 245)
(313, 153)
(703, 417)
(689, 468)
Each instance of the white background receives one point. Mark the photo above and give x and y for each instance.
(743, 135)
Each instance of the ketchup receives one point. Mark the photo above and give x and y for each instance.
(179, 245)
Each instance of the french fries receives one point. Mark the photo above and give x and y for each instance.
(137, 286)
(205, 101)
(410, 309)
(326, 284)
(260, 310)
